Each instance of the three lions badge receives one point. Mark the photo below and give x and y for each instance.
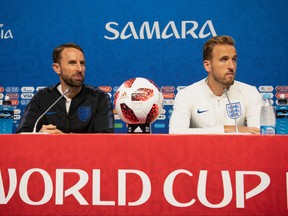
(84, 113)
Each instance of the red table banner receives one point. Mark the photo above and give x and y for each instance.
(130, 174)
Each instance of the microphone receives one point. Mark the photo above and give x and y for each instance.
(236, 126)
(36, 123)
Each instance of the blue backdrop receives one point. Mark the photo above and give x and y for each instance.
(157, 39)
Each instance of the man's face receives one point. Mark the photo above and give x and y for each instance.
(222, 67)
(71, 68)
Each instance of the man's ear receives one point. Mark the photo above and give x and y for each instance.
(207, 65)
(56, 68)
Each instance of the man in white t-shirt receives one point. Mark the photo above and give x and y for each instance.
(217, 104)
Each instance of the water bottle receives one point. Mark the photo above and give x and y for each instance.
(282, 115)
(267, 116)
(6, 116)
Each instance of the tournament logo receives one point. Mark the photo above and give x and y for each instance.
(84, 113)
(234, 111)
(167, 89)
(265, 88)
(115, 88)
(118, 125)
(180, 88)
(24, 102)
(12, 89)
(27, 95)
(168, 95)
(40, 87)
(281, 93)
(159, 125)
(281, 88)
(14, 102)
(27, 89)
(106, 88)
(271, 95)
(168, 102)
(13, 95)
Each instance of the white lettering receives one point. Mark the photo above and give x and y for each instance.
(211, 27)
(174, 31)
(112, 30)
(201, 191)
(12, 186)
(146, 192)
(146, 28)
(191, 31)
(5, 34)
(240, 196)
(168, 188)
(129, 25)
(48, 187)
(148, 31)
(96, 189)
(8, 34)
(74, 190)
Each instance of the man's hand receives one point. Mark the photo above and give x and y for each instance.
(50, 129)
(241, 129)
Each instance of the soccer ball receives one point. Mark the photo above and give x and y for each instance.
(138, 101)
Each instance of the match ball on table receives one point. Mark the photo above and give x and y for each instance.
(138, 101)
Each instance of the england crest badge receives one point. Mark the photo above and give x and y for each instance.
(234, 110)
(84, 113)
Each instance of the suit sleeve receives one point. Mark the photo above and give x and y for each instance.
(30, 115)
(104, 117)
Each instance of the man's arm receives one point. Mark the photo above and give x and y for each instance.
(181, 117)
(180, 122)
(50, 129)
(241, 129)
(29, 117)
(104, 117)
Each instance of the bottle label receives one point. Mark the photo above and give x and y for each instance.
(270, 130)
(6, 120)
(282, 125)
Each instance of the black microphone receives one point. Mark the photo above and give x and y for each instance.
(35, 125)
(236, 126)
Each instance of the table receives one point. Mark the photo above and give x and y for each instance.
(137, 174)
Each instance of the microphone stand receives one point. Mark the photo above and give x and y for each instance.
(35, 125)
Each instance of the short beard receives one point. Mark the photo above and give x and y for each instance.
(72, 83)
(223, 82)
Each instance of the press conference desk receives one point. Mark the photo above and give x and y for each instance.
(123, 174)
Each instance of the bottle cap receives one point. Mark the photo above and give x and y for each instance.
(266, 96)
(6, 100)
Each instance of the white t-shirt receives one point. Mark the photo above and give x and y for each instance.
(68, 100)
(197, 110)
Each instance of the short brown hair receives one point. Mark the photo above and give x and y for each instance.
(56, 55)
(210, 44)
